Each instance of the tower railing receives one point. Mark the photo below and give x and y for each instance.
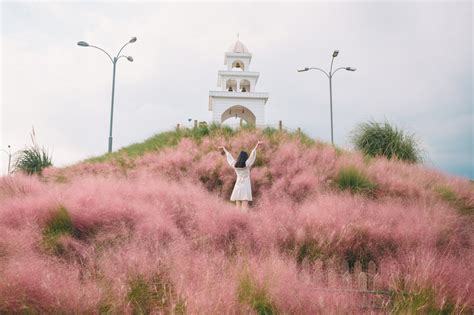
(238, 94)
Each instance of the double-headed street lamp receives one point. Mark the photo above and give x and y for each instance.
(114, 62)
(330, 75)
(9, 152)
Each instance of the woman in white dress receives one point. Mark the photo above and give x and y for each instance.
(242, 192)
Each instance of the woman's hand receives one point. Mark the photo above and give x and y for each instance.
(259, 143)
(221, 147)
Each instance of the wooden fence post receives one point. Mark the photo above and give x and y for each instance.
(357, 267)
(347, 280)
(362, 281)
(332, 278)
(318, 272)
(371, 270)
(280, 125)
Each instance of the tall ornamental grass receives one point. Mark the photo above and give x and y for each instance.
(383, 139)
(32, 160)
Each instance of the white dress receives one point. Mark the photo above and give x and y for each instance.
(243, 188)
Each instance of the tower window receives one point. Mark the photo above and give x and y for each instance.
(244, 85)
(238, 65)
(231, 85)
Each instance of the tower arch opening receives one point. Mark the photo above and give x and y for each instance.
(239, 111)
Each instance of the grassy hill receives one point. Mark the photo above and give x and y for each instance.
(150, 229)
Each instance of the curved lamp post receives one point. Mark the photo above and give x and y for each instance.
(114, 62)
(9, 152)
(330, 75)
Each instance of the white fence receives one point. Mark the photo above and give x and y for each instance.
(365, 284)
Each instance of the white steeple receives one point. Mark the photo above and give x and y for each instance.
(237, 96)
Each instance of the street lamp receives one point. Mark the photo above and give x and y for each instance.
(330, 75)
(9, 152)
(114, 62)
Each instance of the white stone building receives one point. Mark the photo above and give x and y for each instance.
(236, 96)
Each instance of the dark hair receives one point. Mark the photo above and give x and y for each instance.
(243, 156)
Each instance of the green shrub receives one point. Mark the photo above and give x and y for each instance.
(156, 293)
(250, 293)
(59, 224)
(462, 204)
(199, 132)
(350, 178)
(247, 126)
(269, 131)
(375, 139)
(227, 130)
(216, 129)
(302, 137)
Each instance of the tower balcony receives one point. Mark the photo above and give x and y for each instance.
(257, 96)
(238, 94)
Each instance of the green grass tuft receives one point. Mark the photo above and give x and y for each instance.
(304, 138)
(154, 294)
(462, 204)
(250, 293)
(59, 224)
(154, 143)
(419, 302)
(309, 251)
(160, 141)
(375, 139)
(350, 178)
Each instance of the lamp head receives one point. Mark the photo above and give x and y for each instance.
(335, 53)
(82, 43)
(130, 58)
(303, 70)
(350, 69)
(133, 39)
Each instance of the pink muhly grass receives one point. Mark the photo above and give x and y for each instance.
(19, 185)
(35, 284)
(287, 289)
(163, 227)
(445, 277)
(206, 280)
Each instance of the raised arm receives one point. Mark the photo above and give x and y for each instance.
(230, 158)
(253, 156)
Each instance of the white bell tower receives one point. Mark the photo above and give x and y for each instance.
(237, 96)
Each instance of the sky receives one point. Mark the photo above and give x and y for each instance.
(413, 59)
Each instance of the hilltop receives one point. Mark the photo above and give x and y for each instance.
(150, 229)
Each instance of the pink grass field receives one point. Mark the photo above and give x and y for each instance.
(158, 234)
